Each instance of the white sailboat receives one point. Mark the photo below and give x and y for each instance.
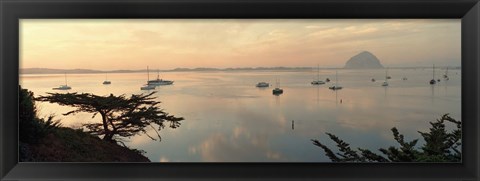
(147, 86)
(106, 82)
(159, 81)
(385, 83)
(432, 82)
(318, 81)
(277, 91)
(336, 86)
(63, 87)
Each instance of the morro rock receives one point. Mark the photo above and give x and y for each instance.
(364, 60)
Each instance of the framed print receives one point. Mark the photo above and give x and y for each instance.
(322, 90)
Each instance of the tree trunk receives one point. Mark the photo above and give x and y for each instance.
(108, 134)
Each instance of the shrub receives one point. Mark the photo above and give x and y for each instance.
(440, 146)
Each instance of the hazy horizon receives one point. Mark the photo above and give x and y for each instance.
(167, 44)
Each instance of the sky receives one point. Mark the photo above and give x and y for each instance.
(222, 43)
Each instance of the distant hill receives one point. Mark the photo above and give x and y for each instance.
(363, 60)
(89, 71)
(352, 64)
(70, 71)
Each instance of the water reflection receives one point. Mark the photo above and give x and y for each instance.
(228, 119)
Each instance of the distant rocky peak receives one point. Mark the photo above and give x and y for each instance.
(363, 60)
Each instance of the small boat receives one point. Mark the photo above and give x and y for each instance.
(63, 87)
(385, 83)
(147, 87)
(277, 91)
(106, 82)
(386, 75)
(445, 76)
(373, 80)
(336, 87)
(327, 80)
(159, 81)
(404, 78)
(262, 84)
(433, 76)
(318, 81)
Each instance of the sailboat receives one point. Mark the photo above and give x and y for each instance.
(277, 91)
(318, 81)
(433, 76)
(445, 76)
(147, 86)
(159, 81)
(106, 82)
(63, 87)
(385, 83)
(336, 87)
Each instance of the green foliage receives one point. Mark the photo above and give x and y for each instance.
(440, 146)
(32, 128)
(121, 116)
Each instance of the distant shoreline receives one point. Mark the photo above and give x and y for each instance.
(90, 71)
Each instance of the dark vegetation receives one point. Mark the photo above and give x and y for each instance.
(44, 139)
(121, 116)
(440, 146)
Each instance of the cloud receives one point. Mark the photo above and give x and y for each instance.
(233, 43)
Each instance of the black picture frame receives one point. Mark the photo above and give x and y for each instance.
(13, 10)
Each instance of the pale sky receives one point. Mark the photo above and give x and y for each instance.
(169, 43)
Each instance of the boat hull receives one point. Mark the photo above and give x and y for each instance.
(147, 87)
(63, 87)
(263, 84)
(277, 91)
(335, 88)
(317, 82)
(155, 83)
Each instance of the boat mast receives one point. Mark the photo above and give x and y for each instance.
(433, 75)
(336, 78)
(386, 74)
(318, 72)
(158, 74)
(65, 78)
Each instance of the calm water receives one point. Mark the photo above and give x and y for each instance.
(228, 119)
